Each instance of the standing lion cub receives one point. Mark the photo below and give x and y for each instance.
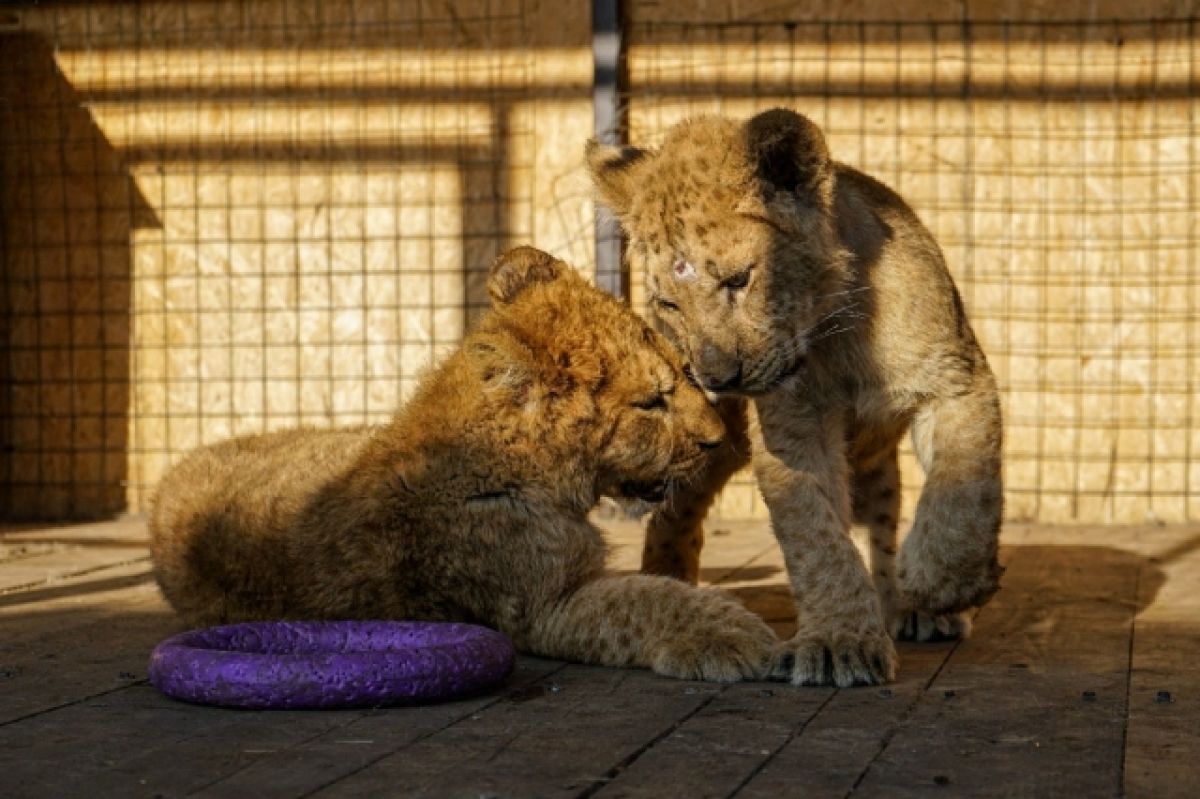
(471, 504)
(813, 290)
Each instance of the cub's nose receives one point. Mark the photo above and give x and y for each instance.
(717, 383)
(717, 369)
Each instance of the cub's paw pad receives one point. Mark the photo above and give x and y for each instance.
(739, 648)
(841, 659)
(914, 625)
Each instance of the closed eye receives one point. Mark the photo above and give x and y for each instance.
(656, 403)
(664, 304)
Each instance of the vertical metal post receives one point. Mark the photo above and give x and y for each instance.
(609, 129)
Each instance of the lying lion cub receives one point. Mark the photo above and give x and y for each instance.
(471, 504)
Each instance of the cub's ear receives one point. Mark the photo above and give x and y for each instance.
(519, 268)
(615, 173)
(788, 152)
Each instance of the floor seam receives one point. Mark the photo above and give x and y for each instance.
(1137, 589)
(423, 737)
(61, 578)
(73, 702)
(632, 758)
(908, 711)
(791, 736)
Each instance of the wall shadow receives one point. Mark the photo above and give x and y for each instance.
(67, 209)
(70, 205)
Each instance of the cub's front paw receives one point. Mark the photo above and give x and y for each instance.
(906, 624)
(945, 583)
(836, 657)
(737, 647)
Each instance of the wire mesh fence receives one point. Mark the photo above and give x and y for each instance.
(1055, 161)
(224, 218)
(227, 218)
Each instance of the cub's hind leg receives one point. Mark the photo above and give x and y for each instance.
(875, 493)
(675, 532)
(657, 623)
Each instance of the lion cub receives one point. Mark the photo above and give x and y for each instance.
(471, 505)
(814, 301)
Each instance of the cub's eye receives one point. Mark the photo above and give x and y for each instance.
(738, 281)
(656, 403)
(665, 304)
(690, 375)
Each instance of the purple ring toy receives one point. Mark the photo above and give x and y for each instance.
(310, 664)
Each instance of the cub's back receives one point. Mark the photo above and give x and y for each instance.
(219, 515)
(263, 475)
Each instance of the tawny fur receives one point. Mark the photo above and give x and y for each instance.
(471, 504)
(815, 302)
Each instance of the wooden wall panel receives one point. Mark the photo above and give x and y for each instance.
(278, 212)
(227, 217)
(1051, 149)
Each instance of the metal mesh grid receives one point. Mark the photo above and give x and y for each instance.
(1056, 164)
(223, 219)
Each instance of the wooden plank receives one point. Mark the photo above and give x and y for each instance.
(748, 744)
(129, 530)
(741, 555)
(38, 755)
(90, 636)
(76, 673)
(31, 556)
(62, 564)
(345, 749)
(1034, 703)
(86, 627)
(138, 742)
(1162, 749)
(718, 749)
(221, 752)
(1018, 722)
(827, 755)
(761, 583)
(746, 723)
(744, 737)
(26, 614)
(764, 714)
(728, 548)
(830, 753)
(536, 748)
(13, 551)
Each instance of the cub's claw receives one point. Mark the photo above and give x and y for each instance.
(841, 659)
(915, 625)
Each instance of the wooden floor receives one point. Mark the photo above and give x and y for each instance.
(1081, 680)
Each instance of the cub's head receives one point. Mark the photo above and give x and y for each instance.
(732, 223)
(589, 382)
